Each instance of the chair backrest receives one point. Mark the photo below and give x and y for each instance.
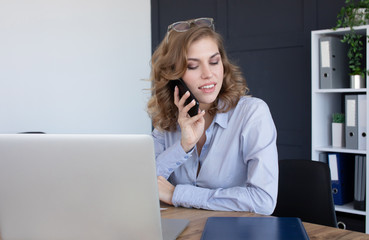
(305, 191)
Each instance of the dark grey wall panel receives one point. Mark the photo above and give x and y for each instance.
(248, 18)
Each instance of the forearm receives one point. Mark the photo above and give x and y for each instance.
(170, 159)
(249, 198)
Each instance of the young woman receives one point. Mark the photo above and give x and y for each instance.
(225, 157)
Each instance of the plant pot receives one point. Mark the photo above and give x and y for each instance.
(338, 139)
(357, 81)
(359, 16)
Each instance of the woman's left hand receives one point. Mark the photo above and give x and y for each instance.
(166, 190)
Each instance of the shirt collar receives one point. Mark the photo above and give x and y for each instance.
(222, 119)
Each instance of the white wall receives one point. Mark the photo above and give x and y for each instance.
(74, 66)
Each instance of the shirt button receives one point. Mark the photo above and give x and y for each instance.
(186, 157)
(170, 169)
(178, 163)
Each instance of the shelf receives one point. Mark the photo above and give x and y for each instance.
(341, 90)
(341, 31)
(349, 208)
(341, 150)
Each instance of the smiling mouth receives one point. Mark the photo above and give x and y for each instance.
(207, 86)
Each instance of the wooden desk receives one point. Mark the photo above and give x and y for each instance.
(198, 218)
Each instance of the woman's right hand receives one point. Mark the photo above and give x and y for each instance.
(192, 128)
(166, 190)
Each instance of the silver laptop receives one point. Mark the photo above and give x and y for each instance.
(79, 187)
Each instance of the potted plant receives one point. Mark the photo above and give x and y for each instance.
(338, 121)
(354, 13)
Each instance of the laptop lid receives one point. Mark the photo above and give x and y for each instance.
(78, 187)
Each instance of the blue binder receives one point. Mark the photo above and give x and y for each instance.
(254, 228)
(342, 168)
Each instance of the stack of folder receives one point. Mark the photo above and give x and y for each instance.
(348, 176)
(355, 124)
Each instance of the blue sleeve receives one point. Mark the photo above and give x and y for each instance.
(168, 158)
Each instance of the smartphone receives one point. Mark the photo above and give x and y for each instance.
(182, 90)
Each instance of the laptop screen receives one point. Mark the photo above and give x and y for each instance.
(78, 187)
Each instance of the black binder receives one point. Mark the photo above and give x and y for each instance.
(254, 228)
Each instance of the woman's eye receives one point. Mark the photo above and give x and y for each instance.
(214, 63)
(192, 67)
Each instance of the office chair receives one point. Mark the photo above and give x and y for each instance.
(305, 191)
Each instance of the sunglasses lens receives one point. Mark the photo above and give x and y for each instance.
(203, 22)
(181, 26)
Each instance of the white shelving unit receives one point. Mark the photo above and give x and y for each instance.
(324, 103)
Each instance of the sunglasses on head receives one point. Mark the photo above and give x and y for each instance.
(183, 26)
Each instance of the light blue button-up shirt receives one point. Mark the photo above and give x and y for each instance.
(239, 162)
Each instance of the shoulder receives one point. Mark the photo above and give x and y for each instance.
(250, 100)
(250, 110)
(256, 116)
(248, 104)
(160, 135)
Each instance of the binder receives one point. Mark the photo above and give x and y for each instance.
(361, 123)
(355, 124)
(360, 182)
(333, 63)
(342, 167)
(351, 123)
(254, 228)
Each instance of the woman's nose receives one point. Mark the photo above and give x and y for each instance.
(206, 72)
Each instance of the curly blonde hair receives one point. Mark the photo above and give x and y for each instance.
(169, 62)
